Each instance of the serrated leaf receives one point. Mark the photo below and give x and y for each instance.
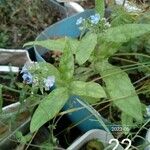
(49, 108)
(100, 7)
(124, 33)
(66, 65)
(89, 89)
(86, 47)
(121, 91)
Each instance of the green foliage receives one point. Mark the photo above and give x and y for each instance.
(89, 89)
(106, 50)
(65, 84)
(86, 58)
(3, 39)
(53, 45)
(49, 108)
(47, 146)
(66, 66)
(100, 7)
(120, 16)
(86, 47)
(124, 33)
(42, 69)
(127, 122)
(23, 139)
(140, 44)
(120, 90)
(56, 44)
(22, 20)
(83, 73)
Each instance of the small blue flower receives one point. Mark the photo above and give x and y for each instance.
(95, 18)
(27, 77)
(24, 69)
(49, 82)
(79, 21)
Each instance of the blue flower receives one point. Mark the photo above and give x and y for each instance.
(79, 21)
(49, 82)
(27, 77)
(95, 18)
(24, 69)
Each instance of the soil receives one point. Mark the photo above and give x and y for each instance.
(23, 20)
(87, 4)
(9, 125)
(15, 117)
(52, 57)
(9, 96)
(34, 27)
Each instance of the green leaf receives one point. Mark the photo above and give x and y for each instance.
(73, 44)
(1, 98)
(49, 108)
(47, 146)
(121, 90)
(106, 50)
(86, 47)
(66, 66)
(83, 73)
(100, 7)
(124, 33)
(21, 138)
(127, 123)
(55, 44)
(121, 16)
(89, 89)
(90, 100)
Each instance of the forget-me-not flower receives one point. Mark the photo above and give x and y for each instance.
(27, 77)
(24, 69)
(79, 21)
(95, 18)
(49, 82)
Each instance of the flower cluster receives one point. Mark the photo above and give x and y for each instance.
(49, 82)
(94, 19)
(106, 23)
(79, 21)
(28, 78)
(94, 23)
